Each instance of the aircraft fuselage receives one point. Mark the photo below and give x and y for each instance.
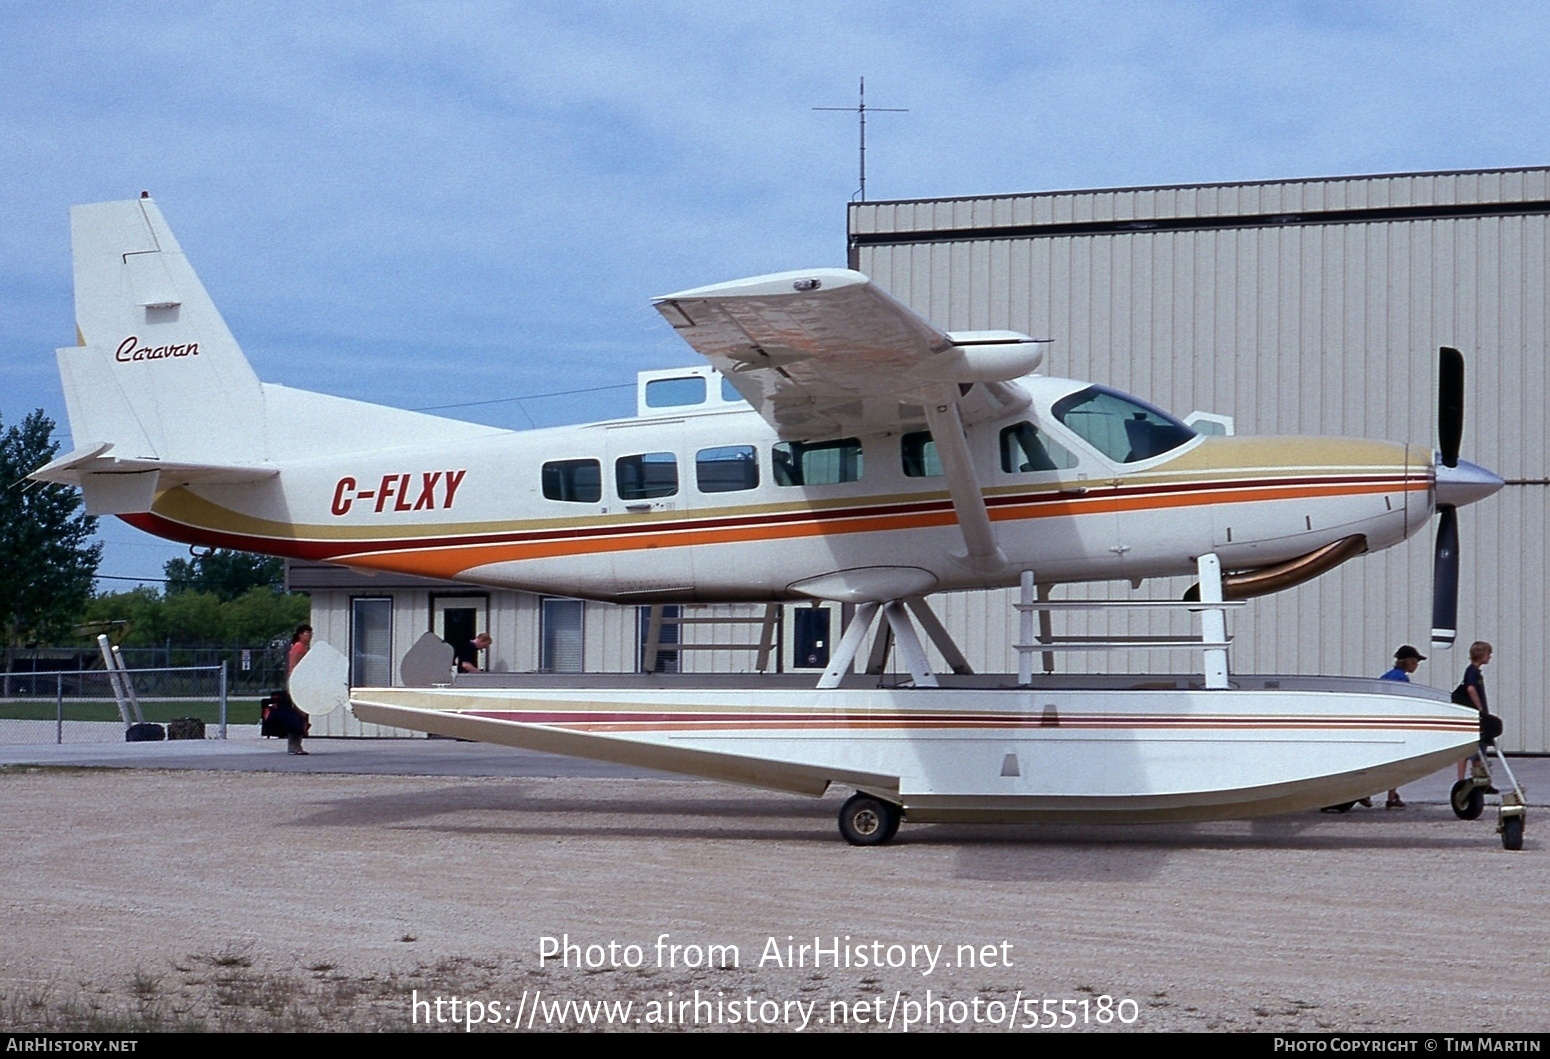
(705, 506)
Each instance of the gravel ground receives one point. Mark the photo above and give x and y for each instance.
(257, 900)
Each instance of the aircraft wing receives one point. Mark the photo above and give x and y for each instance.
(826, 353)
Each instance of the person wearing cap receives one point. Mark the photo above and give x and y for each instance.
(1406, 660)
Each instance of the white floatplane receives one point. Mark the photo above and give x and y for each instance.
(837, 447)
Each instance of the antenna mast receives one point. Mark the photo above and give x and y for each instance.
(860, 109)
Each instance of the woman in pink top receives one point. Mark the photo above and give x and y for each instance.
(301, 643)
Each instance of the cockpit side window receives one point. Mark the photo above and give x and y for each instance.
(1025, 448)
(1119, 426)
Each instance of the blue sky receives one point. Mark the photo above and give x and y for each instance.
(427, 204)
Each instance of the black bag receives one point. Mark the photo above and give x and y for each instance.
(279, 716)
(1461, 697)
(1490, 728)
(144, 732)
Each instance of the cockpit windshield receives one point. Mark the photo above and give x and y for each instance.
(1119, 426)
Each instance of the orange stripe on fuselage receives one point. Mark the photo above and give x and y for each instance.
(431, 560)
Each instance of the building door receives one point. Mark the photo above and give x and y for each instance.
(810, 638)
(458, 619)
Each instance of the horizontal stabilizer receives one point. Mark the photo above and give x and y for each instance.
(125, 486)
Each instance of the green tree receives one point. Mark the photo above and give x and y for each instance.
(226, 574)
(259, 615)
(198, 619)
(133, 616)
(47, 565)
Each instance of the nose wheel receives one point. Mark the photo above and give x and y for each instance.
(1467, 799)
(869, 821)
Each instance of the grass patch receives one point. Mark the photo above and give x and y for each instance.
(232, 989)
(28, 770)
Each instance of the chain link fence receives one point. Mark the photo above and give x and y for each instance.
(252, 669)
(84, 705)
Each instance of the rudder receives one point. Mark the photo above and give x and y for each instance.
(156, 374)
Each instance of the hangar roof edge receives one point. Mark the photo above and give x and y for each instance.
(1310, 200)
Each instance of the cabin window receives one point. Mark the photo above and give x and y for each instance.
(817, 463)
(674, 393)
(1024, 448)
(651, 474)
(918, 451)
(580, 481)
(1119, 426)
(728, 469)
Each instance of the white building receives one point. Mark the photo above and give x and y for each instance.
(1306, 306)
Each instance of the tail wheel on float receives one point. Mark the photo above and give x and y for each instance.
(868, 821)
(1467, 799)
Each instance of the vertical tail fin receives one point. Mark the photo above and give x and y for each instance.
(156, 374)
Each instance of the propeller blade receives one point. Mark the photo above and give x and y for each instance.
(1450, 404)
(1445, 579)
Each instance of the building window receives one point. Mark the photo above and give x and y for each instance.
(560, 636)
(728, 469)
(371, 643)
(579, 481)
(817, 463)
(667, 640)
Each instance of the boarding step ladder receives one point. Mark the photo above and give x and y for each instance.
(658, 621)
(1213, 640)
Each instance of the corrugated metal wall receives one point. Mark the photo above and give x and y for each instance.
(1292, 324)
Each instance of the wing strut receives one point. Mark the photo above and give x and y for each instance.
(897, 631)
(939, 636)
(983, 555)
(850, 643)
